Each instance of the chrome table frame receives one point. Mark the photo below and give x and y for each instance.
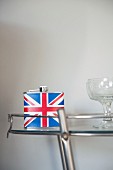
(63, 134)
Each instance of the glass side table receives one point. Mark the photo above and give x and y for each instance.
(63, 133)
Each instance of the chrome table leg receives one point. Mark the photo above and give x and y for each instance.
(62, 152)
(65, 142)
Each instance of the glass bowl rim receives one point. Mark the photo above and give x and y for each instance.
(99, 78)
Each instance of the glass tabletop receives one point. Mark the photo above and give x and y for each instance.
(73, 132)
(78, 125)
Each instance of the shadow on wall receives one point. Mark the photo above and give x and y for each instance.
(19, 48)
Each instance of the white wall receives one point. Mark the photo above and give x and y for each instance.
(59, 44)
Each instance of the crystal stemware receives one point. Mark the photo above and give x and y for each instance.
(101, 89)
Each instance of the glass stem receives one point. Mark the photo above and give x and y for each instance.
(107, 111)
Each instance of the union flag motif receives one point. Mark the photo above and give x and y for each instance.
(42, 104)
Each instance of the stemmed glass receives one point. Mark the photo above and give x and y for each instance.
(101, 89)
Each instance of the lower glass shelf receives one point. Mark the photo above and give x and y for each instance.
(73, 132)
